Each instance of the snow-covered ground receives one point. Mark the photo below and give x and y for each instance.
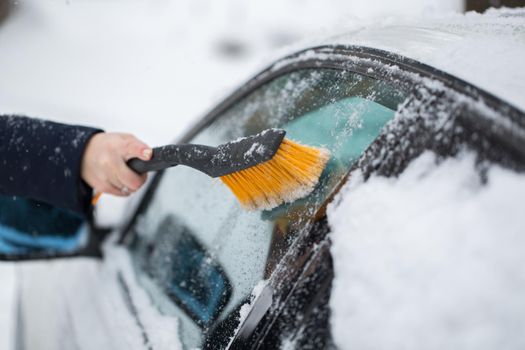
(151, 68)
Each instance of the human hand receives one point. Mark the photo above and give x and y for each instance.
(104, 163)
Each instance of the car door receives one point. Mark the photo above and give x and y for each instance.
(204, 260)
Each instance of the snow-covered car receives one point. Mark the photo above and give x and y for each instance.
(191, 269)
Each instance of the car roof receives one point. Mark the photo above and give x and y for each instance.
(487, 50)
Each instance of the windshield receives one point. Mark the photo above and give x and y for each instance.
(196, 251)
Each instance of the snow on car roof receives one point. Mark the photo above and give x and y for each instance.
(487, 50)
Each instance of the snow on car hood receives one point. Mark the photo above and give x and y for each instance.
(87, 304)
(487, 50)
(432, 259)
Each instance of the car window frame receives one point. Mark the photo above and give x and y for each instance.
(401, 72)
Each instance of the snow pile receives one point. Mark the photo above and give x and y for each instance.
(430, 260)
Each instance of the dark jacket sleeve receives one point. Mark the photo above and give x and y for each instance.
(41, 160)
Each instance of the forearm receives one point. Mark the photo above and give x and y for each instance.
(42, 160)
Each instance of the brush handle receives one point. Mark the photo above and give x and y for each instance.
(217, 161)
(168, 156)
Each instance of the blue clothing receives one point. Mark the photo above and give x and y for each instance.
(41, 160)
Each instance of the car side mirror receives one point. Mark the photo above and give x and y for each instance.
(34, 230)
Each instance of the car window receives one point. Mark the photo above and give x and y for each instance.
(196, 251)
(29, 227)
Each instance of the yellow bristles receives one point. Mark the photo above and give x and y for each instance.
(291, 174)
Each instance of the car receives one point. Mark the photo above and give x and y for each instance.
(192, 269)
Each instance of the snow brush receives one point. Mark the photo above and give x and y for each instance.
(263, 170)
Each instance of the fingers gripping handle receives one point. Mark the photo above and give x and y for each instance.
(157, 162)
(140, 166)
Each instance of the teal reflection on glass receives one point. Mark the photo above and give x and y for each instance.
(346, 128)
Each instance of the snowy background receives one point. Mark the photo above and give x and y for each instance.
(152, 68)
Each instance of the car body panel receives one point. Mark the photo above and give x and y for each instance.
(88, 304)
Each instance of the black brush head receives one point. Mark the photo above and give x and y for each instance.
(217, 161)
